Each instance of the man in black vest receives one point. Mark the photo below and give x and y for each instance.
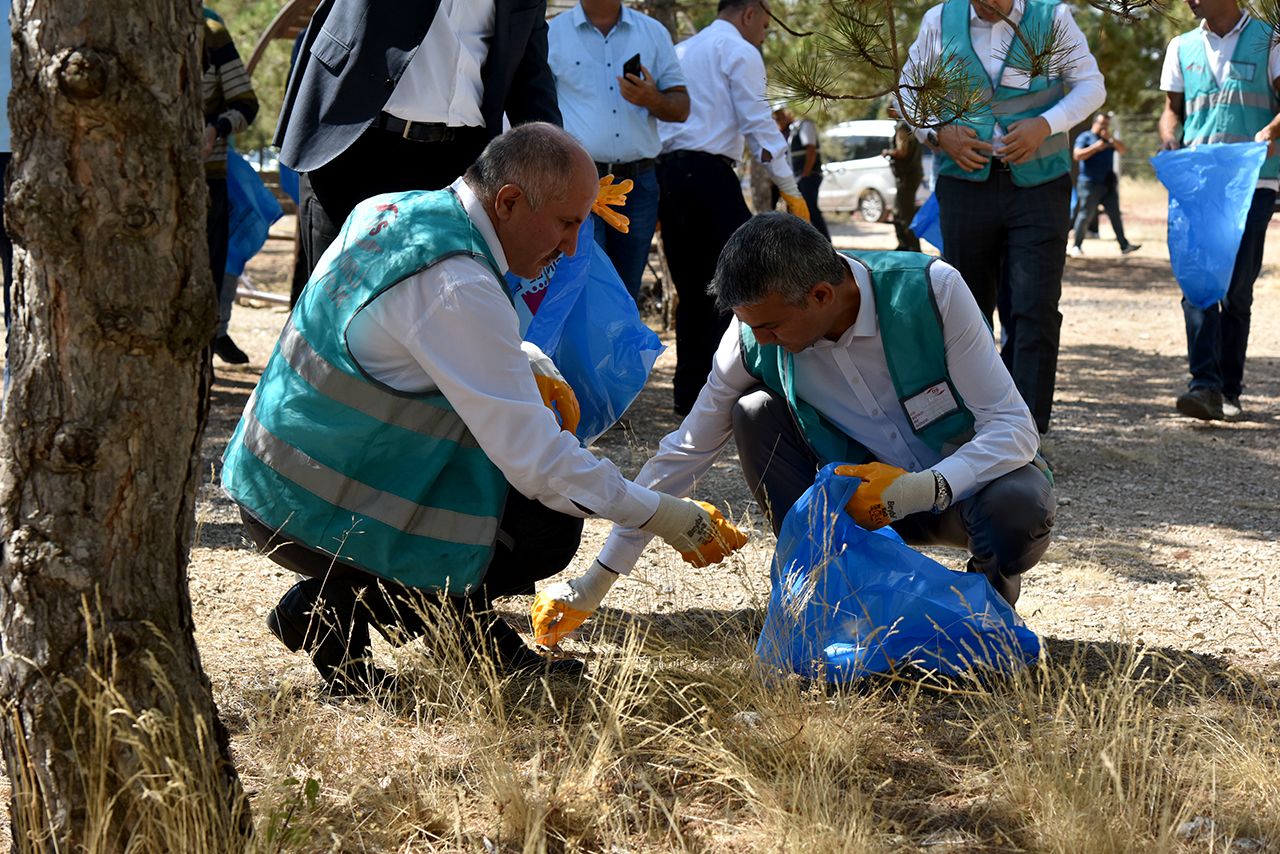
(806, 161)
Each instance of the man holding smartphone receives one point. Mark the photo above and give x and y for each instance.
(616, 75)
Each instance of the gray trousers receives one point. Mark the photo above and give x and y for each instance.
(1005, 525)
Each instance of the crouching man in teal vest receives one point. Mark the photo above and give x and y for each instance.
(881, 360)
(400, 452)
(1221, 82)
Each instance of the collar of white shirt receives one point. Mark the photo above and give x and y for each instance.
(1015, 14)
(1244, 19)
(865, 325)
(480, 216)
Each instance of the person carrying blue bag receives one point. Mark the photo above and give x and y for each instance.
(1220, 82)
(879, 360)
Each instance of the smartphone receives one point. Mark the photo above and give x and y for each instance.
(632, 66)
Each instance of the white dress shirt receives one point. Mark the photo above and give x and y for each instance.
(848, 382)
(1086, 91)
(452, 327)
(442, 82)
(726, 79)
(1218, 51)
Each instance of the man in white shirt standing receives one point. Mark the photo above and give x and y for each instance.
(614, 112)
(387, 97)
(701, 202)
(399, 451)
(881, 360)
(1221, 83)
(1004, 192)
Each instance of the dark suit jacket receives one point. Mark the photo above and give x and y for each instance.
(355, 51)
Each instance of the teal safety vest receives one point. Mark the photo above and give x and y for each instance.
(1243, 105)
(914, 348)
(1007, 105)
(388, 481)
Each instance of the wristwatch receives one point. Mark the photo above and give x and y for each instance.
(941, 492)
(932, 138)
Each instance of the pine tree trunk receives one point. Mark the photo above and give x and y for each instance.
(110, 733)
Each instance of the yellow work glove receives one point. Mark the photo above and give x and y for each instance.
(796, 205)
(695, 529)
(556, 392)
(888, 493)
(563, 606)
(612, 194)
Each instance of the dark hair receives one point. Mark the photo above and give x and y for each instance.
(537, 157)
(734, 4)
(773, 253)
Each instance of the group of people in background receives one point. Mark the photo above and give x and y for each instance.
(407, 347)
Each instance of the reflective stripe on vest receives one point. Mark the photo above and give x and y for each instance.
(1003, 103)
(1243, 105)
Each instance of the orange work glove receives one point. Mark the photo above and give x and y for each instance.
(796, 205)
(563, 606)
(888, 493)
(612, 194)
(556, 392)
(695, 529)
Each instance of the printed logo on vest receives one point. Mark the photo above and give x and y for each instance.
(931, 405)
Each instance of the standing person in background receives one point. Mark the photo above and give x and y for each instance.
(615, 112)
(701, 202)
(1004, 192)
(368, 112)
(906, 159)
(229, 106)
(806, 161)
(1218, 89)
(1098, 183)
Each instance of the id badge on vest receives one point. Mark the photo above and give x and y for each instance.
(930, 405)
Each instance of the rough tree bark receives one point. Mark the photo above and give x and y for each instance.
(110, 733)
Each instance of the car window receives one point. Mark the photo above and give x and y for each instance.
(855, 147)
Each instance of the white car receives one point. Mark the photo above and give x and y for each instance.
(855, 175)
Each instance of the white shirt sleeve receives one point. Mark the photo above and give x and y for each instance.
(1087, 91)
(747, 81)
(1171, 71)
(1005, 433)
(451, 328)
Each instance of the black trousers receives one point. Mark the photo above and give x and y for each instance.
(378, 162)
(219, 232)
(535, 542)
(700, 206)
(987, 224)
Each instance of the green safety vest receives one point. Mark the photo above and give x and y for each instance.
(914, 348)
(388, 481)
(1007, 105)
(1243, 105)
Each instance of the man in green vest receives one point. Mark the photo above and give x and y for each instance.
(881, 360)
(399, 451)
(1004, 191)
(1221, 82)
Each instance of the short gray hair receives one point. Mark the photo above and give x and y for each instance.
(537, 157)
(773, 253)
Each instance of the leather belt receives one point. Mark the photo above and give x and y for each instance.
(625, 170)
(419, 131)
(998, 165)
(685, 153)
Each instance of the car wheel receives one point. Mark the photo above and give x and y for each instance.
(871, 206)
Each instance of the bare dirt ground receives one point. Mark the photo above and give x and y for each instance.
(1166, 528)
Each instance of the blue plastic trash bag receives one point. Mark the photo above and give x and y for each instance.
(847, 602)
(251, 210)
(1210, 190)
(580, 314)
(925, 224)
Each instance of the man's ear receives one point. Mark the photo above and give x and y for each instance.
(505, 201)
(823, 294)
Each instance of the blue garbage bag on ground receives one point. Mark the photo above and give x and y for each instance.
(925, 224)
(1210, 189)
(251, 210)
(847, 602)
(580, 314)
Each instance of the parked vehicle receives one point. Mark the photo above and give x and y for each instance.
(855, 175)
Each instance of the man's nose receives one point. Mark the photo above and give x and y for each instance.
(569, 244)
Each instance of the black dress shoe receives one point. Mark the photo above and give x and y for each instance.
(324, 621)
(226, 350)
(512, 657)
